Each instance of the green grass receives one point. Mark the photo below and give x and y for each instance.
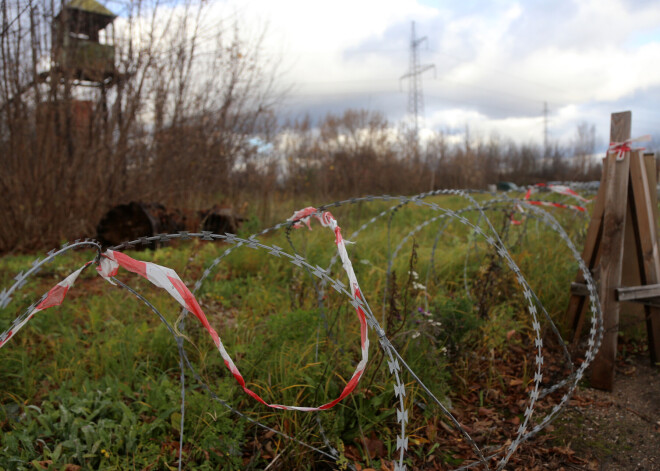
(95, 382)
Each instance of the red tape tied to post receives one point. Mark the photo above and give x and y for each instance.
(167, 279)
(620, 148)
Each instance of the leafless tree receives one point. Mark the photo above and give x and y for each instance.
(171, 121)
(584, 146)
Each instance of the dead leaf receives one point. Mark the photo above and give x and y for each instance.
(630, 371)
(446, 427)
(43, 464)
(486, 411)
(418, 440)
(563, 450)
(385, 466)
(352, 453)
(375, 447)
(482, 424)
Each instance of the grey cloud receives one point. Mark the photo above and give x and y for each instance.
(496, 94)
(393, 105)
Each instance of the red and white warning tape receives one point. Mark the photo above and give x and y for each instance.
(53, 298)
(557, 205)
(327, 220)
(560, 189)
(512, 219)
(167, 279)
(620, 148)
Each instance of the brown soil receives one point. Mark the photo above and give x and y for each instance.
(618, 430)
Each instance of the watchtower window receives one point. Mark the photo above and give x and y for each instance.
(79, 35)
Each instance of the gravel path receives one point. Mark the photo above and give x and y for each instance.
(618, 430)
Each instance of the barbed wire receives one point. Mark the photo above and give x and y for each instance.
(483, 229)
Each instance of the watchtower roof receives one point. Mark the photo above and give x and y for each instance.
(83, 16)
(90, 6)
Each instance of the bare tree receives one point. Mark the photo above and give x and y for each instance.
(159, 104)
(584, 147)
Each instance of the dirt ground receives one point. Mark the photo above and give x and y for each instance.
(618, 430)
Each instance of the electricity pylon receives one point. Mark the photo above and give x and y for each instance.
(414, 76)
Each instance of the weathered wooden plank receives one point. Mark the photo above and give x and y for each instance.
(611, 260)
(636, 293)
(652, 176)
(631, 271)
(579, 289)
(646, 223)
(590, 254)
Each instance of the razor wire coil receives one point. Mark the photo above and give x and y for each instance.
(396, 364)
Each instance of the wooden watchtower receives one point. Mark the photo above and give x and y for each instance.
(82, 55)
(78, 53)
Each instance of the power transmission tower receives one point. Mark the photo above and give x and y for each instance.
(414, 76)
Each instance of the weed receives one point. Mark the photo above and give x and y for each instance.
(95, 382)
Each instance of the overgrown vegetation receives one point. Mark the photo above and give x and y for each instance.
(95, 382)
(168, 119)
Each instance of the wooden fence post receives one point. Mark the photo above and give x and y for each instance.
(611, 260)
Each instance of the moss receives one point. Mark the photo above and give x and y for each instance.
(90, 6)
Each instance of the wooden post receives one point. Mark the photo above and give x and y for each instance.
(591, 255)
(611, 260)
(631, 274)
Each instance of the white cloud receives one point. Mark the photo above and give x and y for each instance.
(497, 62)
(604, 74)
(525, 129)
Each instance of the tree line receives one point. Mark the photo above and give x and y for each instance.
(188, 117)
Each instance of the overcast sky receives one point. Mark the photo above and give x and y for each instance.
(496, 62)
